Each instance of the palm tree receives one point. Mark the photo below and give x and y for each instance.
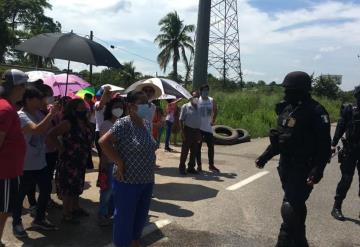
(129, 74)
(174, 40)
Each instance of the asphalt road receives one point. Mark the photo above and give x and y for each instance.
(200, 210)
(205, 213)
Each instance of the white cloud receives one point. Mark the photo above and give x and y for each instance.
(248, 72)
(327, 49)
(318, 57)
(271, 43)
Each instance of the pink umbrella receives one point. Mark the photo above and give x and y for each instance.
(58, 84)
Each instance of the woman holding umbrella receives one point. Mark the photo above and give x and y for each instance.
(76, 135)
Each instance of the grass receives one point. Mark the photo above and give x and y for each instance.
(254, 110)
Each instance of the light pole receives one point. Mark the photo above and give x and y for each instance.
(202, 44)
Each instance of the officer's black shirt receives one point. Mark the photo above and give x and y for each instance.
(348, 123)
(302, 135)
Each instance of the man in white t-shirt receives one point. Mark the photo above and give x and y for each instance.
(208, 112)
(99, 115)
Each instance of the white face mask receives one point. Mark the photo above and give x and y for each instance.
(117, 112)
(195, 101)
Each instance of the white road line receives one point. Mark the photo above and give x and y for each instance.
(155, 226)
(247, 181)
(150, 228)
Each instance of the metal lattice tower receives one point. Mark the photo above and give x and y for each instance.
(224, 42)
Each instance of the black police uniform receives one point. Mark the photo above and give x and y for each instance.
(302, 138)
(349, 156)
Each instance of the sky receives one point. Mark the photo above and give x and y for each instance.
(276, 36)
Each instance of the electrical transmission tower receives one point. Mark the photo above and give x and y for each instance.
(224, 42)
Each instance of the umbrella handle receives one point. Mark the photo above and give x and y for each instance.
(67, 77)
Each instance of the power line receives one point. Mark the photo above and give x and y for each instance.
(125, 50)
(119, 48)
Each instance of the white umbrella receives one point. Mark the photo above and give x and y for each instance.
(113, 88)
(167, 96)
(38, 75)
(166, 86)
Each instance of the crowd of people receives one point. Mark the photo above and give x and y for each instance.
(45, 138)
(48, 139)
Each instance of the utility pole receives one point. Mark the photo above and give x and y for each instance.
(202, 44)
(91, 38)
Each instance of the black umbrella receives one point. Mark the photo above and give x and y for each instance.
(71, 47)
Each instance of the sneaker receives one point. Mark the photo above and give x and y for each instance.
(44, 225)
(104, 221)
(213, 169)
(32, 211)
(182, 170)
(2, 244)
(192, 171)
(19, 231)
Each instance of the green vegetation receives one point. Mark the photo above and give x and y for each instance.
(20, 20)
(175, 41)
(253, 110)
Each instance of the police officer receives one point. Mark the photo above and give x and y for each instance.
(302, 138)
(349, 156)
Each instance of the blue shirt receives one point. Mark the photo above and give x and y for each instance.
(35, 144)
(136, 147)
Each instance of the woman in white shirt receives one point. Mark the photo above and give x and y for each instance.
(114, 110)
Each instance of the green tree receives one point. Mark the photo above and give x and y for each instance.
(128, 74)
(174, 40)
(21, 20)
(43, 24)
(123, 77)
(261, 83)
(326, 86)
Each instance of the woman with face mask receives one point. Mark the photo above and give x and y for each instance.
(114, 110)
(34, 125)
(134, 158)
(77, 136)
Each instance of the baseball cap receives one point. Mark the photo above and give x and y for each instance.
(14, 77)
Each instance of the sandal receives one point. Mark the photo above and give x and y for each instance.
(80, 212)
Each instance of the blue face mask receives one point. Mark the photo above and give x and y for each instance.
(205, 94)
(143, 110)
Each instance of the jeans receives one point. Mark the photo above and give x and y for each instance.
(209, 139)
(168, 134)
(106, 206)
(132, 204)
(27, 182)
(191, 143)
